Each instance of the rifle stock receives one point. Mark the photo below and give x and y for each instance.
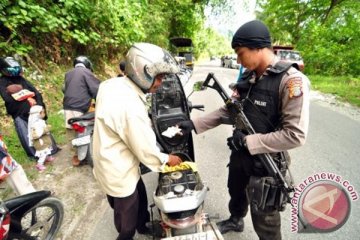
(241, 122)
(215, 85)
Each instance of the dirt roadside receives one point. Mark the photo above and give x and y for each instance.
(79, 192)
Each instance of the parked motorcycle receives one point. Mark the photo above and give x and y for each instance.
(180, 194)
(36, 215)
(84, 127)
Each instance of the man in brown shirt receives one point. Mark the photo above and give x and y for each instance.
(276, 102)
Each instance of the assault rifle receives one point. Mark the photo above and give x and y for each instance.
(241, 122)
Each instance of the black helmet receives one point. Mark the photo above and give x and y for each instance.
(10, 67)
(84, 60)
(253, 34)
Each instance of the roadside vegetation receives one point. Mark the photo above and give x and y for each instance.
(346, 89)
(48, 35)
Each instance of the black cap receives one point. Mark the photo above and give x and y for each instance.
(253, 34)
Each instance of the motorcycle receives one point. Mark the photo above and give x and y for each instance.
(36, 215)
(84, 127)
(180, 194)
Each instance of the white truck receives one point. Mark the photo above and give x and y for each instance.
(287, 53)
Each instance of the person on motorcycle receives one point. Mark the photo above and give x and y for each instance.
(80, 88)
(19, 95)
(123, 137)
(275, 100)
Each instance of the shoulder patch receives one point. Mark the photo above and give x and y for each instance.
(294, 86)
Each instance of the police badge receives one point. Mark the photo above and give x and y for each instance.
(295, 87)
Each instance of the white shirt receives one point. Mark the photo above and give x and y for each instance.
(123, 137)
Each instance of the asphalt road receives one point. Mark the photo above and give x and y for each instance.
(332, 147)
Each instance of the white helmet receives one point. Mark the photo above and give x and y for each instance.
(144, 61)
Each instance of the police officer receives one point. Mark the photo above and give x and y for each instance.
(276, 102)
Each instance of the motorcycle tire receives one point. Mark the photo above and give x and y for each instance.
(43, 221)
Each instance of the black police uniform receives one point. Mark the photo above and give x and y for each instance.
(264, 92)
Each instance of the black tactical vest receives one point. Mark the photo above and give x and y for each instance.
(261, 99)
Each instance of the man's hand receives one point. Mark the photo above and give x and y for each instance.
(237, 141)
(186, 126)
(174, 160)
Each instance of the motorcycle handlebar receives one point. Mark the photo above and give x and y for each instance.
(198, 107)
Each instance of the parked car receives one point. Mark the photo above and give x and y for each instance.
(231, 62)
(286, 53)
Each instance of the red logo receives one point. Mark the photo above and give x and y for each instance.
(325, 207)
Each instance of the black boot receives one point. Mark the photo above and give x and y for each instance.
(235, 224)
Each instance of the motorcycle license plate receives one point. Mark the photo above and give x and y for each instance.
(81, 141)
(208, 235)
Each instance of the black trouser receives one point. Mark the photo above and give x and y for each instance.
(130, 213)
(241, 167)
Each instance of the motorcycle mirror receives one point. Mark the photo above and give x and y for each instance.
(198, 86)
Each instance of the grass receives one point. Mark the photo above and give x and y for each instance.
(345, 88)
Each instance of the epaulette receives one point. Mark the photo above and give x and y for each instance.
(280, 67)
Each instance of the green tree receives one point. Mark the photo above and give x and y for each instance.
(324, 31)
(49, 31)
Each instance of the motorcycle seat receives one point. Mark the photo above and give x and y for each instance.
(86, 117)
